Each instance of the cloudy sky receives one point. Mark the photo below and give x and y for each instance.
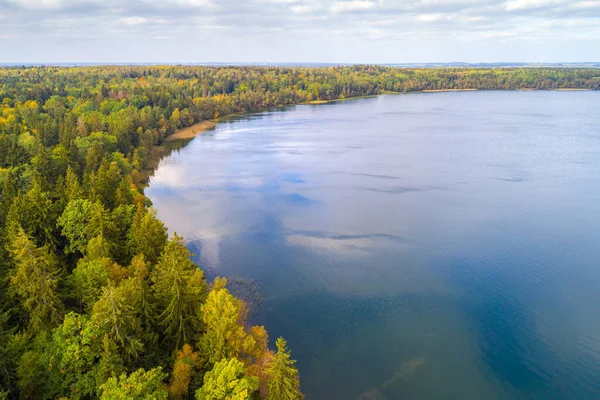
(361, 31)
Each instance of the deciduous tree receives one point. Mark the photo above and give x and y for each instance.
(140, 385)
(186, 365)
(228, 380)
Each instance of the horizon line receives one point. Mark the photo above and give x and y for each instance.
(295, 63)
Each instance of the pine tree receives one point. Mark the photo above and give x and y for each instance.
(284, 382)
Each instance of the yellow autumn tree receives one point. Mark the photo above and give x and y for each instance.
(186, 365)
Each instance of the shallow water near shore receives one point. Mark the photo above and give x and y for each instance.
(430, 246)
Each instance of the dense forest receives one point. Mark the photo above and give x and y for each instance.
(96, 299)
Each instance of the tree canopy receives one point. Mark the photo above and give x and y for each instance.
(96, 301)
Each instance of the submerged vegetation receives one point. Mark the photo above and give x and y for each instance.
(96, 301)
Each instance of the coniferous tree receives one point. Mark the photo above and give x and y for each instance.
(284, 382)
(116, 313)
(35, 281)
(148, 235)
(179, 288)
(73, 189)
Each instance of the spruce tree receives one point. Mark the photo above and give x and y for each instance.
(35, 281)
(179, 289)
(284, 381)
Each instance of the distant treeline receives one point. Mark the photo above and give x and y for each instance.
(95, 300)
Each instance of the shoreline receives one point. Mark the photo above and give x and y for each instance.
(447, 90)
(192, 131)
(317, 102)
(489, 90)
(184, 135)
(201, 127)
(181, 137)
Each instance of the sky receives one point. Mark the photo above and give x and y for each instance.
(272, 31)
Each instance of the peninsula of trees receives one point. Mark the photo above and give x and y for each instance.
(96, 301)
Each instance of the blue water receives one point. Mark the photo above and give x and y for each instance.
(422, 246)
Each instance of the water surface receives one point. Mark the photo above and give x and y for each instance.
(430, 246)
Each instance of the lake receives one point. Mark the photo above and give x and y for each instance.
(419, 246)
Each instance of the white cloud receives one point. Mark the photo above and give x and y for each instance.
(430, 17)
(37, 4)
(375, 33)
(293, 30)
(353, 5)
(302, 9)
(133, 20)
(513, 5)
(469, 18)
(196, 3)
(585, 5)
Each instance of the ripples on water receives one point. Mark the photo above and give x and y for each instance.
(416, 246)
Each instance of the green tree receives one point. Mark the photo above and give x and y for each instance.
(284, 382)
(225, 336)
(32, 371)
(71, 358)
(116, 313)
(35, 281)
(140, 385)
(179, 289)
(228, 380)
(148, 235)
(108, 178)
(110, 365)
(73, 189)
(6, 356)
(140, 279)
(34, 212)
(81, 221)
(89, 277)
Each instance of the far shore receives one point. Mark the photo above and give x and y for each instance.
(191, 131)
(199, 128)
(574, 89)
(447, 90)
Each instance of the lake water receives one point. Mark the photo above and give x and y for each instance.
(421, 246)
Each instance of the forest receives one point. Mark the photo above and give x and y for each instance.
(97, 300)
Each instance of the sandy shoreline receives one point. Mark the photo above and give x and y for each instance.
(191, 131)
